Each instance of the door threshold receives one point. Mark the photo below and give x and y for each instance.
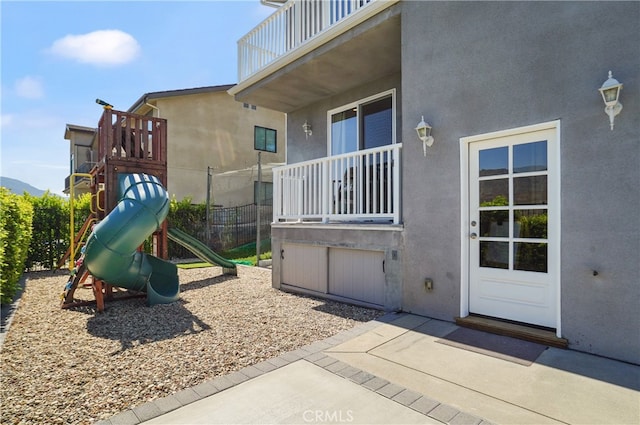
(522, 331)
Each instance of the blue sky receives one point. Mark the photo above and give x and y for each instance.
(58, 57)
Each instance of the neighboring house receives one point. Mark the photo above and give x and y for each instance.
(521, 209)
(82, 156)
(208, 133)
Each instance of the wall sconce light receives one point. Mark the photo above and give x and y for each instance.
(306, 127)
(610, 92)
(424, 133)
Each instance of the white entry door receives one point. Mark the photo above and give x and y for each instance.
(513, 226)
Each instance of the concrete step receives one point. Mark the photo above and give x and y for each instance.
(514, 330)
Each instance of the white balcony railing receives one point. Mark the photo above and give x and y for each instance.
(359, 186)
(294, 23)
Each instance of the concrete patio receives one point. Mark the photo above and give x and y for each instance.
(398, 370)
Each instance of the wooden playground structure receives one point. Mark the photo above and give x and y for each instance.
(126, 143)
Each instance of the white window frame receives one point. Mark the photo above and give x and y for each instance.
(357, 104)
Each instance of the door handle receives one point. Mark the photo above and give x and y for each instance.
(473, 235)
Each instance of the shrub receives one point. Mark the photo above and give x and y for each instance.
(188, 217)
(81, 209)
(16, 216)
(50, 231)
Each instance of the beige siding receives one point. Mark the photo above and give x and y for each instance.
(213, 130)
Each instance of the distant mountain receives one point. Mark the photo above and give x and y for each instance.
(19, 187)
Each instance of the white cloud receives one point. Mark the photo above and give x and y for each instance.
(29, 87)
(6, 120)
(103, 48)
(32, 120)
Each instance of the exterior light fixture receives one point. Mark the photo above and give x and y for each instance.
(306, 127)
(424, 133)
(610, 92)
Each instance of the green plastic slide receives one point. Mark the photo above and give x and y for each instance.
(111, 251)
(201, 250)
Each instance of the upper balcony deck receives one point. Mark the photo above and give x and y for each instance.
(331, 49)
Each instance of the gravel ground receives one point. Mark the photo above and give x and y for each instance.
(77, 366)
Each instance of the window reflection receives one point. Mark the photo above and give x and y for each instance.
(530, 224)
(377, 123)
(344, 135)
(530, 157)
(494, 161)
(530, 190)
(507, 211)
(494, 224)
(494, 192)
(530, 256)
(494, 254)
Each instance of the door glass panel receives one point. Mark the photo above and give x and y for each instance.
(377, 123)
(494, 254)
(530, 224)
(344, 132)
(530, 157)
(530, 190)
(530, 256)
(494, 224)
(494, 161)
(494, 192)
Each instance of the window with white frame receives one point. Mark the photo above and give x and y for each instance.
(366, 124)
(361, 182)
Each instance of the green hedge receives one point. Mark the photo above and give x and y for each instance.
(51, 228)
(188, 217)
(16, 217)
(50, 231)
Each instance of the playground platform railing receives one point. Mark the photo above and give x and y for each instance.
(125, 135)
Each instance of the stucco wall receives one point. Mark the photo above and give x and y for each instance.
(473, 68)
(213, 130)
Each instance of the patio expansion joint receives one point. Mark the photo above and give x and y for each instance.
(386, 319)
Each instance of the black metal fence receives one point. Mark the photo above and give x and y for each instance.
(236, 226)
(228, 228)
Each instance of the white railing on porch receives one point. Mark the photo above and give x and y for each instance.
(294, 23)
(358, 186)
